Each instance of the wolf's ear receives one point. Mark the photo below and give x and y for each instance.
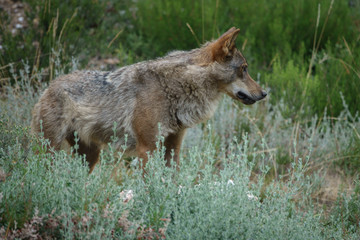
(224, 45)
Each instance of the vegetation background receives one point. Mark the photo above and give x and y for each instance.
(284, 168)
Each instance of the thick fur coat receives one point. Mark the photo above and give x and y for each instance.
(178, 91)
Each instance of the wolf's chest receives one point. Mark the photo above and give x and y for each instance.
(191, 113)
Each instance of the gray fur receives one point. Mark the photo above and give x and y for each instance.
(181, 89)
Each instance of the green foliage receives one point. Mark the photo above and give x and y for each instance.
(346, 214)
(77, 28)
(282, 31)
(51, 194)
(288, 83)
(248, 173)
(270, 27)
(350, 162)
(300, 42)
(58, 185)
(338, 75)
(45, 193)
(155, 17)
(332, 84)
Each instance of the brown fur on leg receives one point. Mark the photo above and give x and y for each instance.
(46, 118)
(91, 151)
(145, 124)
(173, 142)
(146, 133)
(142, 151)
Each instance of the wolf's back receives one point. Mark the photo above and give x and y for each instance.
(88, 102)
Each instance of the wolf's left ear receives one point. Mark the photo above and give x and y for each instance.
(224, 45)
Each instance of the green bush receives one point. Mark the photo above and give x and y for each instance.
(279, 31)
(270, 27)
(52, 195)
(214, 194)
(81, 29)
(304, 34)
(248, 173)
(346, 213)
(288, 83)
(332, 84)
(335, 82)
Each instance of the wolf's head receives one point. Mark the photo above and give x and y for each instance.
(231, 69)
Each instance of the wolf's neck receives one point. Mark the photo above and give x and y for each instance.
(191, 113)
(191, 91)
(199, 99)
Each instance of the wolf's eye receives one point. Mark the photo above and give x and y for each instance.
(228, 57)
(244, 69)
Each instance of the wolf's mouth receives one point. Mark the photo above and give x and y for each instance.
(244, 98)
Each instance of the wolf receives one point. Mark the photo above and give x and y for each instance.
(176, 91)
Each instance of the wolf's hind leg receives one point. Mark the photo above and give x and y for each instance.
(91, 151)
(43, 120)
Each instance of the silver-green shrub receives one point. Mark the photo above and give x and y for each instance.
(248, 173)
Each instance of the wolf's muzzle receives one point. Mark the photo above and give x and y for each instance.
(250, 99)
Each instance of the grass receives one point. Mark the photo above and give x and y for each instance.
(283, 165)
(284, 168)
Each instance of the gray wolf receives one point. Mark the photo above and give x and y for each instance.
(178, 91)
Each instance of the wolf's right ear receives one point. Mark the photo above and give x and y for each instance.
(224, 45)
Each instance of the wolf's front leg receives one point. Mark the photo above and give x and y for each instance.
(142, 149)
(173, 142)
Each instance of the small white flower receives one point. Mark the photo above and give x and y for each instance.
(180, 187)
(251, 196)
(126, 195)
(230, 182)
(134, 162)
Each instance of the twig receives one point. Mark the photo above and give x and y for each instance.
(116, 36)
(191, 30)
(214, 24)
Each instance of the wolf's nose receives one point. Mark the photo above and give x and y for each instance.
(263, 93)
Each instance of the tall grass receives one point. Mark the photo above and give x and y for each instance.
(319, 39)
(304, 34)
(284, 168)
(246, 173)
(80, 29)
